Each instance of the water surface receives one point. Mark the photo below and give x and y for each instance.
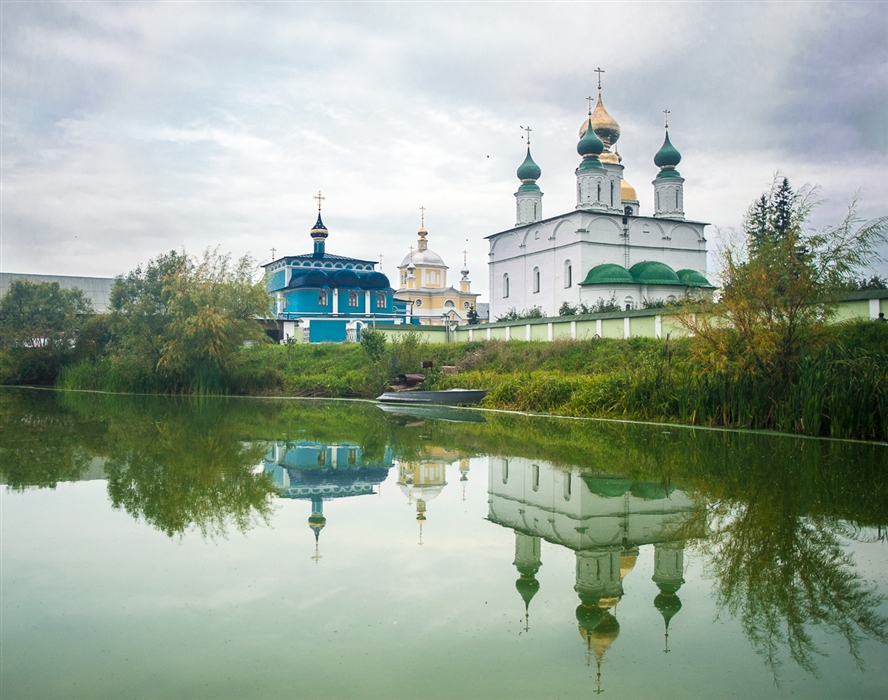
(161, 547)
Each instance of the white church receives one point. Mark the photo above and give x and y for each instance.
(605, 249)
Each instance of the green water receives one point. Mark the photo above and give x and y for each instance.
(240, 548)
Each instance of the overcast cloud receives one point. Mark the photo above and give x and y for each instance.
(129, 129)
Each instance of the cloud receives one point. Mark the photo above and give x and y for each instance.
(130, 129)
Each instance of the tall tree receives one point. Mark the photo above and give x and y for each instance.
(39, 322)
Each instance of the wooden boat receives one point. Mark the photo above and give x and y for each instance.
(447, 397)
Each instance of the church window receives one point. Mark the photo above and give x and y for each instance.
(467, 305)
(612, 193)
(658, 200)
(352, 455)
(535, 476)
(567, 486)
(417, 302)
(506, 286)
(536, 280)
(536, 235)
(599, 191)
(353, 300)
(322, 298)
(380, 301)
(449, 304)
(568, 274)
(322, 458)
(535, 210)
(505, 471)
(630, 303)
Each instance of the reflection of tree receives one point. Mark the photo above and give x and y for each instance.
(784, 574)
(40, 443)
(188, 469)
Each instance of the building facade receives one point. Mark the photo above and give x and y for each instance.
(319, 297)
(423, 285)
(605, 249)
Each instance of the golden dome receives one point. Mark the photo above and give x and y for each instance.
(627, 561)
(603, 124)
(608, 603)
(627, 193)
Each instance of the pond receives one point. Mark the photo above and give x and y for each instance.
(235, 548)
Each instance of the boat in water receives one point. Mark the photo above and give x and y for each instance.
(446, 397)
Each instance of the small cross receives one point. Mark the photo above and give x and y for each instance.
(599, 71)
(320, 199)
(422, 216)
(272, 253)
(465, 253)
(380, 261)
(666, 114)
(589, 100)
(528, 130)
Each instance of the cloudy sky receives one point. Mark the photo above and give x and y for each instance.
(129, 129)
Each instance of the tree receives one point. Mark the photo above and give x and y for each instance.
(181, 321)
(39, 322)
(472, 317)
(782, 281)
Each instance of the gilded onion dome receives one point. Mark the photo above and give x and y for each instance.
(627, 192)
(607, 129)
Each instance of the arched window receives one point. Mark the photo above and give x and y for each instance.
(568, 274)
(322, 298)
(449, 304)
(612, 193)
(353, 300)
(535, 475)
(505, 471)
(322, 458)
(630, 303)
(380, 301)
(567, 486)
(599, 191)
(352, 455)
(536, 280)
(505, 285)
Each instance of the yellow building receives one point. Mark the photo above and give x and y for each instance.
(423, 277)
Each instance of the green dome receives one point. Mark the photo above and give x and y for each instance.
(590, 144)
(652, 272)
(529, 170)
(692, 278)
(668, 605)
(608, 273)
(649, 490)
(588, 616)
(527, 588)
(667, 157)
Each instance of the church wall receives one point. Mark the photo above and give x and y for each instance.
(586, 330)
(540, 331)
(276, 280)
(327, 331)
(645, 327)
(613, 328)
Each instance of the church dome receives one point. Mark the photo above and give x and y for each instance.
(692, 278)
(376, 280)
(295, 277)
(346, 278)
(652, 272)
(609, 273)
(667, 158)
(604, 125)
(425, 257)
(312, 278)
(528, 170)
(627, 192)
(527, 588)
(590, 144)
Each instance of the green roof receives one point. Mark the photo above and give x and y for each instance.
(692, 278)
(529, 170)
(668, 156)
(609, 273)
(652, 272)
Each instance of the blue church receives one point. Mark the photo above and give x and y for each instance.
(318, 297)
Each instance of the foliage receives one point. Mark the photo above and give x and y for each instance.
(373, 343)
(515, 315)
(180, 324)
(39, 322)
(873, 283)
(602, 306)
(472, 316)
(781, 283)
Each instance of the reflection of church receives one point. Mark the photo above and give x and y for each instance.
(605, 521)
(319, 472)
(422, 478)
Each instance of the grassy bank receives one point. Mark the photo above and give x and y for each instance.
(839, 389)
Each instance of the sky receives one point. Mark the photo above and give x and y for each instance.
(131, 129)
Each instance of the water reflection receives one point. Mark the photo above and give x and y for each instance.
(771, 515)
(604, 520)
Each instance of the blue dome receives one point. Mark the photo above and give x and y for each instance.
(295, 277)
(312, 278)
(375, 280)
(346, 278)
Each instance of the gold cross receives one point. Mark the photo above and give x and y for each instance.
(589, 99)
(599, 71)
(465, 253)
(666, 114)
(422, 217)
(272, 253)
(320, 199)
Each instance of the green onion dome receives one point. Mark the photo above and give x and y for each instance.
(609, 273)
(529, 170)
(667, 158)
(652, 272)
(527, 588)
(588, 617)
(692, 278)
(590, 145)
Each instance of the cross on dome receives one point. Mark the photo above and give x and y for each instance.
(666, 114)
(599, 71)
(320, 198)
